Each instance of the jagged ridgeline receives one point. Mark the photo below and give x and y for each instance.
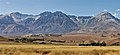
(57, 23)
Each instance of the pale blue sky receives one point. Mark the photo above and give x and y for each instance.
(74, 7)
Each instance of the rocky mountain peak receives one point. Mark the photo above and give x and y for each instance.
(55, 22)
(104, 16)
(45, 13)
(15, 13)
(104, 13)
(58, 12)
(5, 19)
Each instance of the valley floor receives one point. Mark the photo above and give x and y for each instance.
(58, 50)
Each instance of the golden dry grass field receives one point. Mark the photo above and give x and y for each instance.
(58, 50)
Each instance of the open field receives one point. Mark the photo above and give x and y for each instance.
(58, 50)
(74, 39)
(69, 44)
(67, 39)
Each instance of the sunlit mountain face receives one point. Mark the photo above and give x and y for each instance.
(57, 23)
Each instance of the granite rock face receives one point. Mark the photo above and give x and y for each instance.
(56, 23)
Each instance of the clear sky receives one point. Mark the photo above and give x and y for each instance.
(74, 7)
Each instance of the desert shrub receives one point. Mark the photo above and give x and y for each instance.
(23, 40)
(116, 44)
(103, 44)
(60, 41)
(118, 34)
(38, 39)
(103, 35)
(17, 40)
(11, 39)
(98, 44)
(84, 44)
(94, 44)
(43, 43)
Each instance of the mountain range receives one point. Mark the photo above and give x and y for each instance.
(16, 23)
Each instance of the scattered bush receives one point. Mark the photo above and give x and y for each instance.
(23, 40)
(60, 41)
(94, 44)
(11, 39)
(103, 35)
(116, 44)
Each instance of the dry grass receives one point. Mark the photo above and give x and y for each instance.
(57, 50)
